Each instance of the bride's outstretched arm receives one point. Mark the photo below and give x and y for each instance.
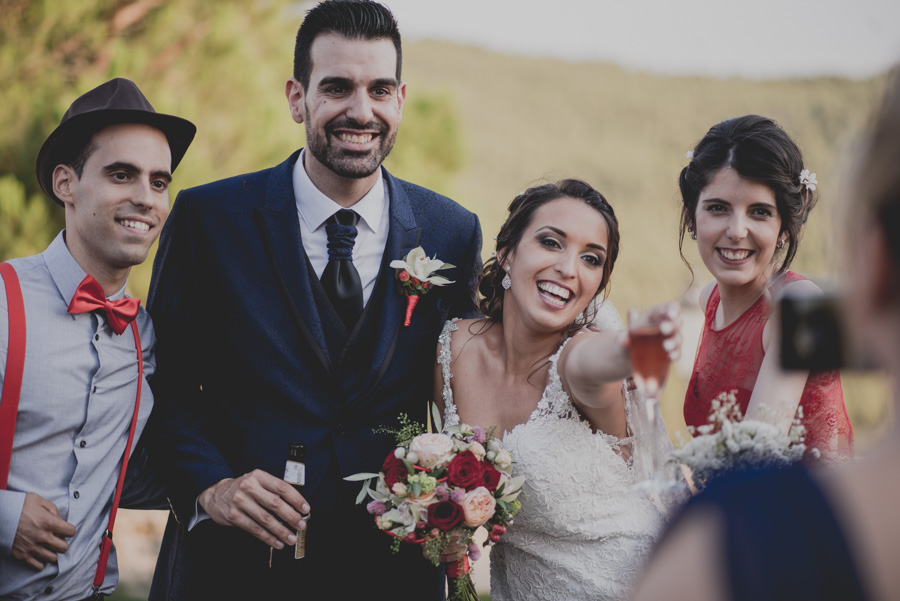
(592, 367)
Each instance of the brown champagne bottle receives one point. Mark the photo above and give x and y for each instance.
(295, 475)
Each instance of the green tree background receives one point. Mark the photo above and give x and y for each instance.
(220, 64)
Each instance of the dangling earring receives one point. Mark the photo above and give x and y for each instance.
(781, 243)
(506, 282)
(692, 233)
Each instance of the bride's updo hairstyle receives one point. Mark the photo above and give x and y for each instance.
(758, 150)
(521, 214)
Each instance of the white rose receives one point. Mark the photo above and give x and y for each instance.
(503, 459)
(433, 450)
(399, 489)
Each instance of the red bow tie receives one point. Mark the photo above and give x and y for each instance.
(89, 297)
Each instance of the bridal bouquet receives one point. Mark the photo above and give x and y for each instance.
(436, 490)
(730, 443)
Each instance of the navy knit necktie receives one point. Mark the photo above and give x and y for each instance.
(340, 278)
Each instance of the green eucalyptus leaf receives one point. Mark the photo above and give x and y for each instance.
(436, 416)
(360, 476)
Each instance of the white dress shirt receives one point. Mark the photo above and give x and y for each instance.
(314, 209)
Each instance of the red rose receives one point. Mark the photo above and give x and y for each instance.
(403, 276)
(394, 470)
(444, 515)
(425, 285)
(490, 477)
(415, 281)
(465, 470)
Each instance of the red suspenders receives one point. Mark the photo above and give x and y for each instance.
(15, 363)
(9, 403)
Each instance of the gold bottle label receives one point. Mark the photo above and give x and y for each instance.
(300, 546)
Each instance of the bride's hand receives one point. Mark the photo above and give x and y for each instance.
(671, 329)
(668, 315)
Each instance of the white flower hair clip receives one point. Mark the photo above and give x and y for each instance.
(689, 155)
(808, 179)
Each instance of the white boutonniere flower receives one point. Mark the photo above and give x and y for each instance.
(415, 276)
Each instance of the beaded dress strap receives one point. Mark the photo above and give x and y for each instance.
(451, 418)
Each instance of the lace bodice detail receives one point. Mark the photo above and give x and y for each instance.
(730, 359)
(554, 400)
(583, 532)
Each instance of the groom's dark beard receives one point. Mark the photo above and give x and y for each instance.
(348, 163)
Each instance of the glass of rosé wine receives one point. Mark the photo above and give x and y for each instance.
(651, 336)
(649, 358)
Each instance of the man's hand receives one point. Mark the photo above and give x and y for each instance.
(257, 502)
(41, 534)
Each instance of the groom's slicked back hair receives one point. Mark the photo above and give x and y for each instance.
(352, 19)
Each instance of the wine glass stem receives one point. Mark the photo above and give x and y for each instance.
(650, 405)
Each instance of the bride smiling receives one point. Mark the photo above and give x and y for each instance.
(555, 390)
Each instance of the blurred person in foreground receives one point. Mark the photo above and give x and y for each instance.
(814, 534)
(71, 413)
(281, 321)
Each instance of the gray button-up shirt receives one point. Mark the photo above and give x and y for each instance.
(75, 409)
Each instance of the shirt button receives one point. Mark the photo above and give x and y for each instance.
(94, 388)
(48, 590)
(96, 336)
(83, 444)
(76, 494)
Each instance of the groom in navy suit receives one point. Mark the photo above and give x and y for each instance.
(279, 320)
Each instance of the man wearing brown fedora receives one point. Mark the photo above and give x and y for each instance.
(74, 384)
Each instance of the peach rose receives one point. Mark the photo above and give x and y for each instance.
(424, 500)
(477, 450)
(478, 507)
(433, 450)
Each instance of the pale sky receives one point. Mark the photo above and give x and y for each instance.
(751, 38)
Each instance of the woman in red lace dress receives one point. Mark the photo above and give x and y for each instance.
(746, 196)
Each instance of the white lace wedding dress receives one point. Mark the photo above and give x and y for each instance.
(583, 532)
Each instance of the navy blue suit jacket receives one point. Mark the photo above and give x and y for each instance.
(252, 357)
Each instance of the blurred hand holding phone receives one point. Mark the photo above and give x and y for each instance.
(813, 335)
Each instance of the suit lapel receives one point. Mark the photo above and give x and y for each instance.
(403, 236)
(280, 231)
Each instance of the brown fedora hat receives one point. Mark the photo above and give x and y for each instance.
(116, 101)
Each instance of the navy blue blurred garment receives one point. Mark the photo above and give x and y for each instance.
(782, 539)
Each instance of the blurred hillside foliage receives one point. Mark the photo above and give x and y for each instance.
(223, 65)
(478, 126)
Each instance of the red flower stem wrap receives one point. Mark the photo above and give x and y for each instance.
(411, 301)
(458, 569)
